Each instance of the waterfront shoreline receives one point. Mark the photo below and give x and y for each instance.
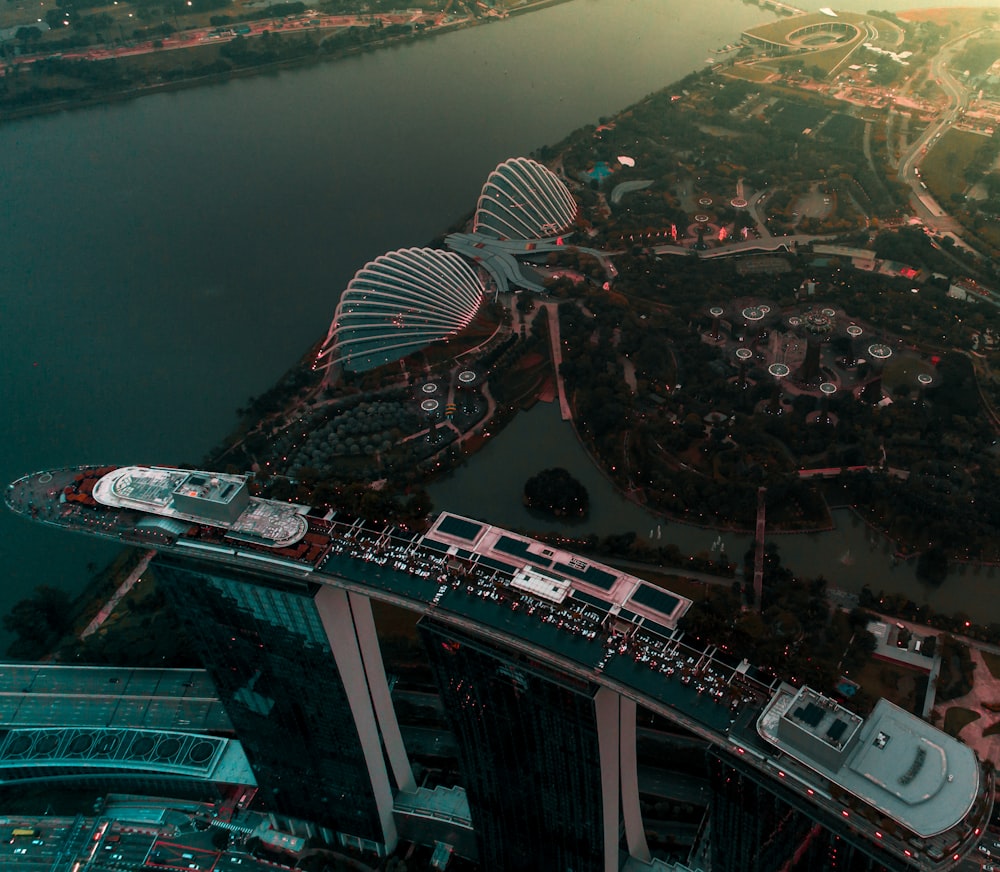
(132, 93)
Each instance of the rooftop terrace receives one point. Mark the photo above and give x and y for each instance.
(892, 760)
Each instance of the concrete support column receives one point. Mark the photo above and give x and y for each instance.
(607, 707)
(635, 834)
(378, 687)
(335, 612)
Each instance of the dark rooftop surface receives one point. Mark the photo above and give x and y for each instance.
(461, 528)
(655, 598)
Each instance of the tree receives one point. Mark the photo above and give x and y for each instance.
(556, 491)
(28, 35)
(38, 621)
(932, 565)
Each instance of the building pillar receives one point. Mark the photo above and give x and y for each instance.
(334, 610)
(607, 708)
(378, 687)
(635, 833)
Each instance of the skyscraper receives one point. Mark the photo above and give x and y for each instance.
(294, 664)
(541, 656)
(530, 754)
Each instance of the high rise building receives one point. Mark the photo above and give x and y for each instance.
(815, 787)
(530, 754)
(541, 656)
(298, 669)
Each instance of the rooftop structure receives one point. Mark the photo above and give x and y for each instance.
(523, 200)
(49, 750)
(900, 765)
(210, 498)
(552, 573)
(273, 619)
(400, 303)
(48, 695)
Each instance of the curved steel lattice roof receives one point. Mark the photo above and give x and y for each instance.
(524, 200)
(399, 303)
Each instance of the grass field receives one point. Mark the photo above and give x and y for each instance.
(750, 73)
(992, 662)
(895, 683)
(943, 168)
(904, 371)
(956, 718)
(957, 20)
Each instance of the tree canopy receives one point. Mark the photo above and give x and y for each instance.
(556, 491)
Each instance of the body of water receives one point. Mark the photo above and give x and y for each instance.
(167, 257)
(849, 556)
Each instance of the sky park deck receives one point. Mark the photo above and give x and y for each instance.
(586, 618)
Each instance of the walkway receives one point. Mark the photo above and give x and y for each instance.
(553, 310)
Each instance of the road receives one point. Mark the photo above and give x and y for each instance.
(957, 96)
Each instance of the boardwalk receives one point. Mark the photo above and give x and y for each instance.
(553, 311)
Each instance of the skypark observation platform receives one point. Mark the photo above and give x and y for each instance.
(578, 616)
(201, 497)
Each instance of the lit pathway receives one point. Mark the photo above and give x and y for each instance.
(553, 310)
(123, 589)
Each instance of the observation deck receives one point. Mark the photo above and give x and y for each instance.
(582, 617)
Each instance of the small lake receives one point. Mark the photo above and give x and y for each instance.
(490, 484)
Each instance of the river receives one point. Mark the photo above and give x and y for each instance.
(167, 257)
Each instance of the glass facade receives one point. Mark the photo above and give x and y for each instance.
(760, 827)
(264, 645)
(524, 200)
(400, 303)
(529, 754)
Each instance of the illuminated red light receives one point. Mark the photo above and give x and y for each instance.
(908, 852)
(845, 813)
(878, 835)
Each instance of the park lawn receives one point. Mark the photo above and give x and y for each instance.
(944, 166)
(892, 681)
(749, 73)
(992, 662)
(956, 718)
(902, 370)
